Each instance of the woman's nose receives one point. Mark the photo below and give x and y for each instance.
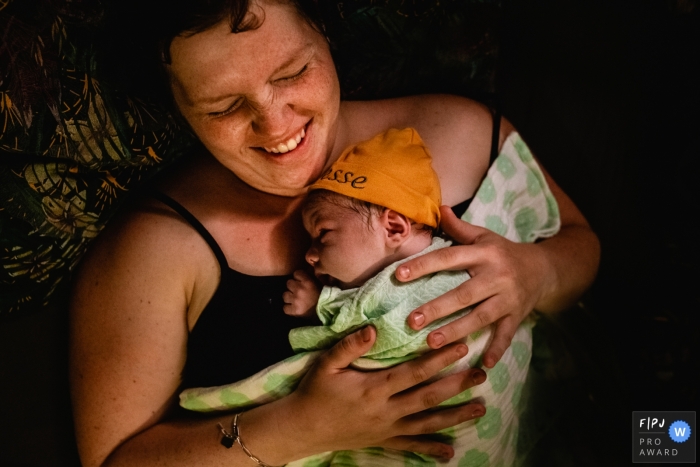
(312, 256)
(273, 120)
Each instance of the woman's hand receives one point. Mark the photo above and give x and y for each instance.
(507, 281)
(339, 408)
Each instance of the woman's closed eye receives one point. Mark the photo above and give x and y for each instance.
(294, 76)
(232, 108)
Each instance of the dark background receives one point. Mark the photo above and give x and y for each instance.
(606, 94)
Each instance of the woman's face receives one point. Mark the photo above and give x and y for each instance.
(264, 102)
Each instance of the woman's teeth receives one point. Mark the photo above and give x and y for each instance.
(291, 144)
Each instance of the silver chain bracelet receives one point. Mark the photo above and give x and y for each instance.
(229, 439)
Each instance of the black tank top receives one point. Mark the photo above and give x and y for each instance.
(243, 329)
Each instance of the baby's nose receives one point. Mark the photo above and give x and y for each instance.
(312, 256)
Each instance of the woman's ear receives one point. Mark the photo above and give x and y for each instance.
(397, 227)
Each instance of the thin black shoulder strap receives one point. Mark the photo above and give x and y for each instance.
(177, 207)
(495, 135)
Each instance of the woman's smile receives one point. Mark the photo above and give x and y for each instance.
(288, 145)
(292, 149)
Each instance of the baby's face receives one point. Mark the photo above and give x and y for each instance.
(345, 251)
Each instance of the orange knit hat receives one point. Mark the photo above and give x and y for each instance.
(391, 170)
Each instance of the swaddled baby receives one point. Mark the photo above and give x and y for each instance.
(375, 208)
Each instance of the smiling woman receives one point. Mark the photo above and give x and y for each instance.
(241, 104)
(193, 292)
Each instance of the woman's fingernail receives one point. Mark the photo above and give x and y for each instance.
(478, 377)
(478, 413)
(402, 272)
(462, 350)
(438, 339)
(418, 318)
(366, 334)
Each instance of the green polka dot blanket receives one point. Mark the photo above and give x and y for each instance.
(514, 201)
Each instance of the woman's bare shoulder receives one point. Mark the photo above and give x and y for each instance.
(146, 230)
(145, 254)
(456, 130)
(433, 115)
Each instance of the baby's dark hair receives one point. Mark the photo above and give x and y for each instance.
(364, 208)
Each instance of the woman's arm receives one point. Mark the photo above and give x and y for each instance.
(508, 279)
(128, 347)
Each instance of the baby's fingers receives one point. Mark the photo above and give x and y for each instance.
(292, 310)
(293, 285)
(302, 276)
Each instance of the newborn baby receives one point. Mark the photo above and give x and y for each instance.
(375, 208)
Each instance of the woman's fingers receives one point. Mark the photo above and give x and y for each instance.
(419, 370)
(478, 319)
(348, 349)
(484, 314)
(466, 294)
(426, 397)
(421, 445)
(460, 231)
(432, 421)
(381, 404)
(444, 259)
(502, 337)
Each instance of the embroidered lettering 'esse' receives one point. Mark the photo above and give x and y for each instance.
(345, 177)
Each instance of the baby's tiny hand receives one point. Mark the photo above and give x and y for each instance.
(301, 296)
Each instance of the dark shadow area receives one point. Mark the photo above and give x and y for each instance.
(36, 428)
(605, 94)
